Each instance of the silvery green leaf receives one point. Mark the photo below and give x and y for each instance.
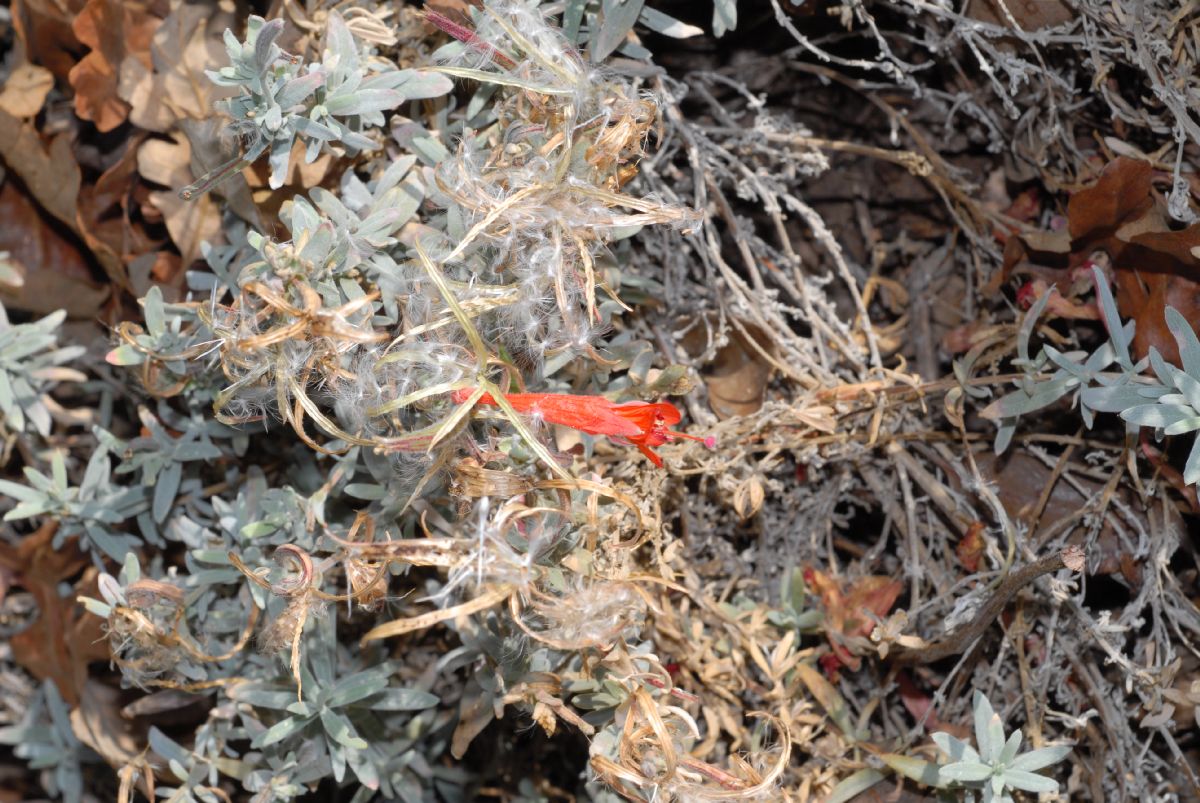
(115, 546)
(316, 249)
(355, 687)
(1119, 334)
(1021, 403)
(296, 90)
(1189, 387)
(124, 355)
(955, 748)
(572, 18)
(317, 132)
(1042, 757)
(1088, 415)
(391, 177)
(340, 45)
(1029, 781)
(1191, 471)
(110, 589)
(22, 493)
(363, 101)
(1185, 336)
(634, 51)
(1068, 362)
(69, 777)
(281, 151)
(407, 199)
(94, 607)
(300, 708)
(302, 218)
(985, 720)
(38, 480)
(1010, 748)
(337, 759)
(27, 344)
(616, 21)
(1162, 369)
(1004, 434)
(152, 305)
(1029, 323)
(264, 51)
(965, 771)
(724, 17)
(197, 450)
(1180, 427)
(353, 139)
(417, 84)
(364, 768)
(858, 783)
(340, 730)
(232, 46)
(1112, 398)
(166, 747)
(917, 769)
(131, 570)
(58, 469)
(430, 150)
(27, 510)
(403, 700)
(667, 25)
(278, 732)
(1157, 415)
(165, 489)
(6, 394)
(1101, 358)
(333, 207)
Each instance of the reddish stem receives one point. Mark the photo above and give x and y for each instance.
(464, 34)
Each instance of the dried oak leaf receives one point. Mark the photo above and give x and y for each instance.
(25, 90)
(171, 85)
(1020, 480)
(969, 548)
(97, 722)
(188, 222)
(50, 174)
(43, 28)
(114, 30)
(848, 613)
(1029, 15)
(63, 639)
(736, 377)
(1122, 216)
(107, 223)
(55, 273)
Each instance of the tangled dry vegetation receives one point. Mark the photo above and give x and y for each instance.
(562, 401)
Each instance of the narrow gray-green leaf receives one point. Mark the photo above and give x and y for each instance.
(616, 21)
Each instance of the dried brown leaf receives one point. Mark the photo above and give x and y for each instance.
(737, 376)
(97, 722)
(113, 30)
(189, 223)
(25, 90)
(1122, 216)
(172, 85)
(51, 173)
(44, 30)
(63, 640)
(1029, 15)
(55, 273)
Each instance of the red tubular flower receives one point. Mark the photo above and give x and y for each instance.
(643, 424)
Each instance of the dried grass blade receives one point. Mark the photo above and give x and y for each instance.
(398, 627)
